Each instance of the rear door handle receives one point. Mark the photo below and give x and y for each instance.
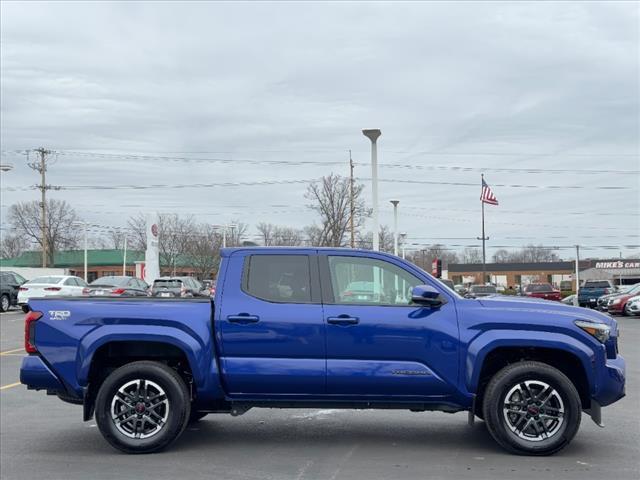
(343, 320)
(243, 318)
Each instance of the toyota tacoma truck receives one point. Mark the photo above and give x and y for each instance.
(324, 328)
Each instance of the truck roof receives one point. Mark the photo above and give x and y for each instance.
(225, 252)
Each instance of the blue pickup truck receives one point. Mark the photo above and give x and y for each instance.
(318, 328)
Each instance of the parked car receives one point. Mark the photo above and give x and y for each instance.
(447, 282)
(589, 293)
(568, 300)
(10, 282)
(476, 291)
(616, 304)
(633, 306)
(603, 302)
(210, 285)
(145, 368)
(185, 287)
(118, 286)
(460, 288)
(51, 286)
(542, 290)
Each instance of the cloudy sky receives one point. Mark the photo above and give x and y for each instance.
(544, 98)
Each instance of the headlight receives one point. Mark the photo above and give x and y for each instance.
(600, 331)
(616, 301)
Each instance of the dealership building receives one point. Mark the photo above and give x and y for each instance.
(619, 271)
(100, 263)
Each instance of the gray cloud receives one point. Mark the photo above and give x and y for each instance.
(475, 84)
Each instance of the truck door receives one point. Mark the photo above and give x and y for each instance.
(271, 325)
(378, 343)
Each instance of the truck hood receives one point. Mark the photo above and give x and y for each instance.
(504, 302)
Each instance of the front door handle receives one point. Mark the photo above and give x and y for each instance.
(243, 318)
(343, 320)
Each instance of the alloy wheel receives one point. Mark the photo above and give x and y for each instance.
(140, 408)
(533, 410)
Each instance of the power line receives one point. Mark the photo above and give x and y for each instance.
(460, 168)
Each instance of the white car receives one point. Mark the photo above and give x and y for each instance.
(51, 285)
(633, 306)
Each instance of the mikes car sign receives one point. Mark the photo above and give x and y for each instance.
(619, 264)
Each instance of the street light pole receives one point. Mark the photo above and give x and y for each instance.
(86, 243)
(395, 226)
(373, 135)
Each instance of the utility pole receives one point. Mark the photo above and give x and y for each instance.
(352, 207)
(41, 167)
(576, 301)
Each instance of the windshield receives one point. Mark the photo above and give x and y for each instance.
(539, 288)
(120, 281)
(483, 289)
(167, 283)
(45, 280)
(632, 289)
(597, 284)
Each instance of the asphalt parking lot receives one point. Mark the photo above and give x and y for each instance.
(42, 437)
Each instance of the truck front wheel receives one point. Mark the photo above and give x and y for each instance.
(531, 408)
(142, 407)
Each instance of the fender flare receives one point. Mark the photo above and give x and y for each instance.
(488, 341)
(200, 355)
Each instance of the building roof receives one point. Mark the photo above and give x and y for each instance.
(517, 267)
(74, 258)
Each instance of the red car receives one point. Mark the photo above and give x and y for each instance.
(616, 305)
(542, 290)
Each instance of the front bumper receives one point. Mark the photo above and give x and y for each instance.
(611, 382)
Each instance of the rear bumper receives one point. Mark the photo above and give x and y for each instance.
(36, 375)
(611, 382)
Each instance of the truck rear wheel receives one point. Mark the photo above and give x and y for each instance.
(142, 407)
(531, 408)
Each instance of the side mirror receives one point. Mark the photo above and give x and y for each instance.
(427, 295)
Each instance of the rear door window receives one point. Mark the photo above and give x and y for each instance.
(278, 278)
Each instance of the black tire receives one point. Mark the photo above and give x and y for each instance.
(158, 378)
(197, 416)
(5, 302)
(25, 308)
(500, 423)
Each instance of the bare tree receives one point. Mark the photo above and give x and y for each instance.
(527, 254)
(203, 251)
(425, 257)
(501, 256)
(62, 234)
(236, 234)
(330, 199)
(385, 240)
(12, 245)
(471, 255)
(276, 235)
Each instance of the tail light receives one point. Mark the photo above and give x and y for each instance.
(52, 289)
(23, 289)
(85, 291)
(118, 291)
(29, 326)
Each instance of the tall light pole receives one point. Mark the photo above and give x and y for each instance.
(373, 135)
(402, 238)
(86, 242)
(395, 226)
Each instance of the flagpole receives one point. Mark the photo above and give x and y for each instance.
(484, 257)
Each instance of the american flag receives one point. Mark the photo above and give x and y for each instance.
(487, 195)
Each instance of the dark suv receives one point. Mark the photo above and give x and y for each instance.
(178, 287)
(117, 286)
(9, 284)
